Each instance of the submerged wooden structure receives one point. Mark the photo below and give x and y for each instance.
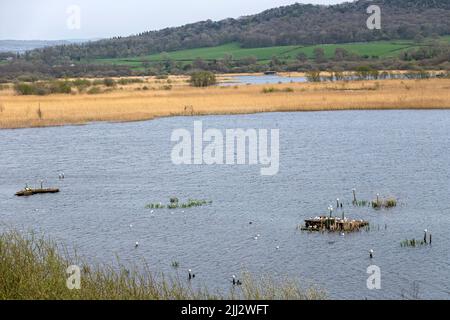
(333, 224)
(29, 192)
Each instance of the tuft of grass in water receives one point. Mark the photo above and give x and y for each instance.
(390, 203)
(384, 203)
(195, 203)
(361, 203)
(33, 268)
(155, 206)
(175, 204)
(413, 243)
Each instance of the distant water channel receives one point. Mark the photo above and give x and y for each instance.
(113, 170)
(282, 79)
(262, 79)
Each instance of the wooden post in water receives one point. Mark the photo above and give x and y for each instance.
(425, 236)
(354, 196)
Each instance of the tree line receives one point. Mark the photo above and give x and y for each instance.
(289, 25)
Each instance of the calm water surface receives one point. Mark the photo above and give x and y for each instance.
(263, 79)
(113, 170)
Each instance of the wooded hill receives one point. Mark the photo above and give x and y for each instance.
(289, 25)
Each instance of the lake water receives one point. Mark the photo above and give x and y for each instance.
(113, 170)
(262, 79)
(277, 79)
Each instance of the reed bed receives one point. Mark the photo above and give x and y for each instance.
(413, 243)
(126, 103)
(33, 267)
(384, 203)
(175, 204)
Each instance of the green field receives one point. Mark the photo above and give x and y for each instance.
(377, 48)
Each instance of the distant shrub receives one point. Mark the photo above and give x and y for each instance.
(82, 82)
(203, 79)
(272, 90)
(109, 82)
(125, 81)
(313, 76)
(166, 87)
(3, 87)
(43, 88)
(27, 78)
(421, 74)
(162, 77)
(60, 87)
(339, 75)
(269, 90)
(24, 89)
(97, 82)
(94, 90)
(365, 72)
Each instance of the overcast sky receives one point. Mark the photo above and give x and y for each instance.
(47, 19)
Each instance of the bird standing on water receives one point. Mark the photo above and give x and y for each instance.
(236, 282)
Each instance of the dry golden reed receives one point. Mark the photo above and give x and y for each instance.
(131, 103)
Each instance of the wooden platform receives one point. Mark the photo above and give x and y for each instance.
(333, 224)
(30, 192)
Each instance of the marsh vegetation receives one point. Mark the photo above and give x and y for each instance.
(125, 103)
(174, 203)
(34, 268)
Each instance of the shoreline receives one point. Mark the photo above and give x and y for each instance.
(129, 103)
(219, 115)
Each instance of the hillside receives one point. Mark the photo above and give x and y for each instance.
(297, 24)
(380, 49)
(299, 37)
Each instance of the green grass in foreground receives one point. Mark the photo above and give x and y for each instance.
(377, 48)
(33, 268)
